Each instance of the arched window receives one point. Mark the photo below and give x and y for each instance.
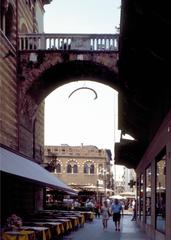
(92, 169)
(58, 167)
(86, 168)
(9, 21)
(23, 28)
(75, 168)
(69, 168)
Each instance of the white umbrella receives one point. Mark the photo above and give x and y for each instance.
(117, 197)
(128, 194)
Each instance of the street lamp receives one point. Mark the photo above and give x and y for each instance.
(97, 184)
(104, 174)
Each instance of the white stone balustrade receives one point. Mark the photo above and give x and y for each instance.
(87, 42)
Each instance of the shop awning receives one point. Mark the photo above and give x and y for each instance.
(15, 164)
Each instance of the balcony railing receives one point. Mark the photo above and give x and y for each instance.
(82, 42)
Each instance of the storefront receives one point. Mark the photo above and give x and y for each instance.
(153, 185)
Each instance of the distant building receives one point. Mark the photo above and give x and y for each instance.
(81, 167)
(125, 179)
(129, 176)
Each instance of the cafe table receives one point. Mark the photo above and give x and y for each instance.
(19, 235)
(66, 222)
(73, 219)
(59, 228)
(80, 218)
(43, 231)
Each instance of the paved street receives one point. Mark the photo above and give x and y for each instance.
(94, 231)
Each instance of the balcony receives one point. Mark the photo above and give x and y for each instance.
(82, 42)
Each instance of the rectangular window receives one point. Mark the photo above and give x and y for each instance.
(148, 195)
(160, 202)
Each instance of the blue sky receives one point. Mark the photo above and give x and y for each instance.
(81, 119)
(82, 16)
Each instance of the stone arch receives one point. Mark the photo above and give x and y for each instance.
(64, 73)
(38, 81)
(58, 167)
(35, 90)
(9, 22)
(7, 18)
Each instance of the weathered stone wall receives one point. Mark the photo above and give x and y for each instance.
(8, 94)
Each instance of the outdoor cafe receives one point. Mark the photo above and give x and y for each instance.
(23, 209)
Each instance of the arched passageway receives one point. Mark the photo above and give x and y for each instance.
(39, 83)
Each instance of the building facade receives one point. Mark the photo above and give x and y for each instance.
(144, 67)
(21, 135)
(81, 167)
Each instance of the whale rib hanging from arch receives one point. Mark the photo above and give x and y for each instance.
(91, 89)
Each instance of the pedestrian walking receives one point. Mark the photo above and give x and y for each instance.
(97, 209)
(134, 211)
(116, 210)
(105, 210)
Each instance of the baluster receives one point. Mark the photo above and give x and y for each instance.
(38, 43)
(50, 42)
(61, 43)
(53, 45)
(101, 46)
(43, 44)
(29, 47)
(115, 43)
(107, 43)
(96, 44)
(104, 43)
(24, 42)
(110, 44)
(67, 43)
(91, 44)
(57, 43)
(54, 41)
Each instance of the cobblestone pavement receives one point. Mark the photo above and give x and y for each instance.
(94, 231)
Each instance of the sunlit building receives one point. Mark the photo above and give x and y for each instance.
(82, 167)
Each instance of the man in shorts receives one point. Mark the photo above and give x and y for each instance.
(116, 210)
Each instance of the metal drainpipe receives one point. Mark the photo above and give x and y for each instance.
(17, 59)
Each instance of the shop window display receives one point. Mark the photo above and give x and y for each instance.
(148, 195)
(161, 193)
